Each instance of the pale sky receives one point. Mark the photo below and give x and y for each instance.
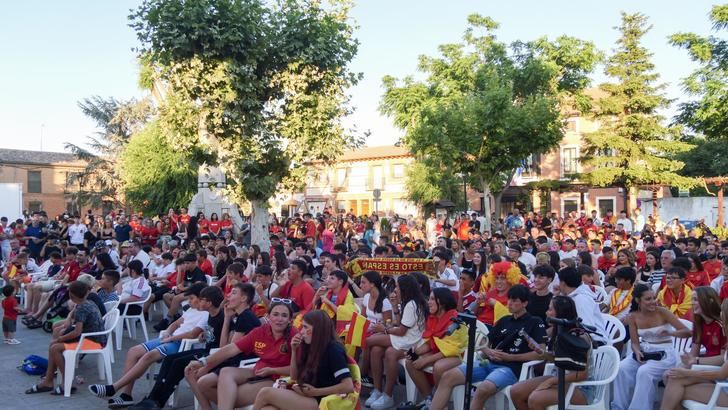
(55, 53)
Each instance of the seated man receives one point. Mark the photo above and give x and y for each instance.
(69, 273)
(35, 290)
(507, 352)
(185, 278)
(192, 323)
(165, 278)
(86, 318)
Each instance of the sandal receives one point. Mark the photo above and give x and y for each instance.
(38, 389)
(58, 391)
(35, 324)
(27, 319)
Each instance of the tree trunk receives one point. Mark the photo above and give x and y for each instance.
(498, 205)
(655, 212)
(259, 234)
(486, 205)
(721, 210)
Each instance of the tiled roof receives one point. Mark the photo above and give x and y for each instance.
(18, 156)
(368, 153)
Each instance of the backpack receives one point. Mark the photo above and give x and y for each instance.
(571, 350)
(34, 365)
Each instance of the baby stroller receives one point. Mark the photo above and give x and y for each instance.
(59, 310)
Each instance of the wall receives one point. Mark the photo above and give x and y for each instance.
(687, 209)
(53, 185)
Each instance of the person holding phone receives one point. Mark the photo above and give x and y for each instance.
(656, 326)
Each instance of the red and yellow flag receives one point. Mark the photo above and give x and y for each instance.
(357, 334)
(499, 310)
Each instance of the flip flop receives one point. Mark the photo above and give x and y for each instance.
(38, 389)
(58, 391)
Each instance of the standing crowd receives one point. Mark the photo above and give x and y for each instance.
(289, 310)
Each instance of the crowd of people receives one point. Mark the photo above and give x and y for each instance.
(290, 305)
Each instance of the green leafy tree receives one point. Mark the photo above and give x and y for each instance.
(259, 84)
(705, 115)
(632, 148)
(154, 175)
(116, 121)
(425, 186)
(485, 106)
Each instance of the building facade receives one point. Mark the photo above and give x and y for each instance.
(352, 182)
(43, 175)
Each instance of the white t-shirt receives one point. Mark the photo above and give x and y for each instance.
(528, 259)
(272, 288)
(627, 223)
(162, 271)
(373, 316)
(76, 232)
(413, 337)
(138, 287)
(191, 319)
(570, 254)
(143, 257)
(447, 274)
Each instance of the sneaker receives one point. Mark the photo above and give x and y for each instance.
(12, 341)
(162, 325)
(425, 404)
(384, 402)
(374, 396)
(367, 381)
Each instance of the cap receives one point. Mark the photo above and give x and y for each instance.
(100, 245)
(126, 244)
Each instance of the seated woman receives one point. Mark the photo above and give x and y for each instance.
(441, 351)
(238, 387)
(388, 348)
(377, 308)
(707, 326)
(319, 366)
(656, 326)
(541, 392)
(698, 385)
(335, 299)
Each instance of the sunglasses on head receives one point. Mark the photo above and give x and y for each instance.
(281, 300)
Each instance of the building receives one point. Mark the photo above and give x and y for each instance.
(350, 184)
(44, 177)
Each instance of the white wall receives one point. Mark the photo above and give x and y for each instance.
(11, 201)
(690, 209)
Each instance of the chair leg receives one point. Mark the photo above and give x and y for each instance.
(131, 328)
(144, 329)
(100, 366)
(107, 365)
(70, 371)
(119, 332)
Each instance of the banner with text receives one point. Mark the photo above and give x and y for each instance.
(391, 266)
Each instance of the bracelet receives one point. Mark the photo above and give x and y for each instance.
(203, 360)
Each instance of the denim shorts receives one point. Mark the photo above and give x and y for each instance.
(589, 392)
(164, 348)
(500, 376)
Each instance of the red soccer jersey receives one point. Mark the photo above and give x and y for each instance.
(202, 226)
(9, 304)
(698, 278)
(301, 294)
(712, 268)
(487, 313)
(604, 264)
(272, 352)
(712, 337)
(206, 267)
(73, 270)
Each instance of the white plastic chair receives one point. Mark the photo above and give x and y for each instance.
(712, 402)
(606, 368)
(683, 344)
(129, 320)
(209, 280)
(105, 354)
(615, 329)
(111, 305)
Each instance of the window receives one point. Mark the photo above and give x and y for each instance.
(35, 206)
(532, 166)
(340, 177)
(572, 125)
(398, 170)
(569, 205)
(377, 178)
(604, 205)
(569, 161)
(34, 186)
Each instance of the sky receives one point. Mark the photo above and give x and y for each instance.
(54, 54)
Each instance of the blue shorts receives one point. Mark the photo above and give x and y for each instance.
(164, 348)
(500, 376)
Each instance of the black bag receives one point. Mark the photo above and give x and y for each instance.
(658, 355)
(571, 350)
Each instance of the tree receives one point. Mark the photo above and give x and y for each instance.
(117, 120)
(154, 175)
(632, 148)
(425, 186)
(260, 85)
(485, 107)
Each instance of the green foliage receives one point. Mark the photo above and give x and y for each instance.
(632, 147)
(425, 186)
(709, 158)
(260, 85)
(155, 175)
(485, 106)
(707, 112)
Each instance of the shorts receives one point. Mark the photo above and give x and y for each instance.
(47, 285)
(87, 344)
(589, 392)
(9, 325)
(133, 309)
(500, 376)
(159, 292)
(163, 348)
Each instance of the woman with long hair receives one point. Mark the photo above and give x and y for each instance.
(237, 387)
(107, 231)
(541, 392)
(335, 299)
(214, 224)
(651, 330)
(319, 366)
(442, 351)
(707, 326)
(279, 262)
(202, 223)
(696, 275)
(652, 264)
(387, 349)
(698, 385)
(377, 308)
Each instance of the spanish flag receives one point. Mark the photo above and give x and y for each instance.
(357, 334)
(345, 308)
(499, 310)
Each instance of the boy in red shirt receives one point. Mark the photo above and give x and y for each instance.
(296, 289)
(10, 315)
(203, 263)
(607, 260)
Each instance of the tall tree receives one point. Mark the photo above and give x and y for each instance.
(632, 147)
(705, 115)
(484, 107)
(259, 84)
(116, 121)
(154, 175)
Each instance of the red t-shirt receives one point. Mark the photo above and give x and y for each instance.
(73, 270)
(311, 229)
(172, 278)
(698, 278)
(206, 267)
(712, 268)
(214, 227)
(301, 294)
(9, 304)
(270, 351)
(185, 219)
(712, 337)
(487, 313)
(604, 264)
(228, 224)
(202, 225)
(150, 235)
